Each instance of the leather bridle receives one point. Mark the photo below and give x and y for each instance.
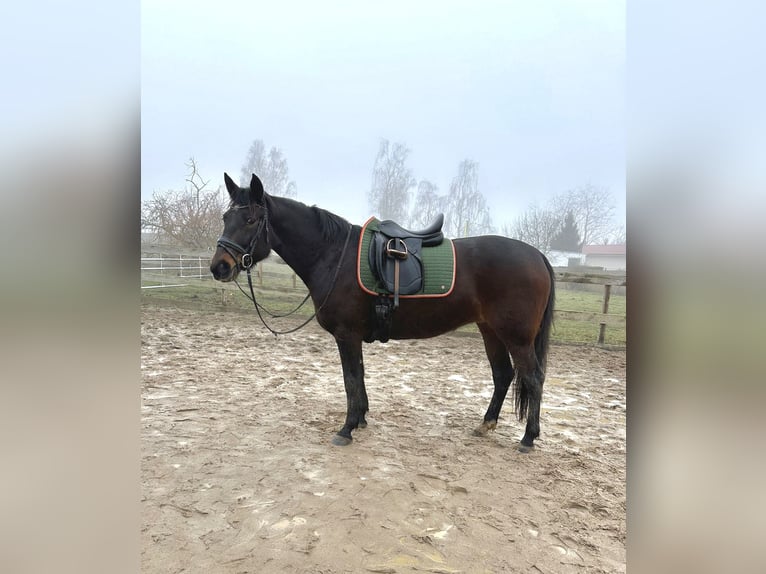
(245, 254)
(246, 262)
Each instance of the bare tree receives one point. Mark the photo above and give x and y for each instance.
(588, 210)
(467, 212)
(389, 195)
(195, 180)
(271, 168)
(189, 217)
(593, 209)
(536, 226)
(619, 235)
(428, 204)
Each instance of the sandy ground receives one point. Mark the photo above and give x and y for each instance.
(239, 476)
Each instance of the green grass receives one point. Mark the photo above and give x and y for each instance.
(588, 301)
(279, 295)
(583, 332)
(569, 330)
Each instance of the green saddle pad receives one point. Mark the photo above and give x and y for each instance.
(438, 267)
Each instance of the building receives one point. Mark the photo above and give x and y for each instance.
(565, 258)
(609, 257)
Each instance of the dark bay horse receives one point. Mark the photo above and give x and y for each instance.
(503, 285)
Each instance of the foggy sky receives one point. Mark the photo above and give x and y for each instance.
(534, 92)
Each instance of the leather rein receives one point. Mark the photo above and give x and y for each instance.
(246, 262)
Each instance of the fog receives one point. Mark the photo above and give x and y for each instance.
(533, 93)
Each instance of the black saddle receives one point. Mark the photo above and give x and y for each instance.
(430, 236)
(395, 255)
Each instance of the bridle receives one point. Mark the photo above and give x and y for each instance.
(246, 262)
(233, 248)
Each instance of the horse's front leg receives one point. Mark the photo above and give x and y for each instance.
(356, 394)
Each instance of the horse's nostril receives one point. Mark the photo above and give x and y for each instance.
(220, 269)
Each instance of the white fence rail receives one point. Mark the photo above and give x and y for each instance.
(163, 271)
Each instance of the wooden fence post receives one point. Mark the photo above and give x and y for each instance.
(604, 310)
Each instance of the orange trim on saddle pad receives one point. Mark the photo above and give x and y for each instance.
(368, 283)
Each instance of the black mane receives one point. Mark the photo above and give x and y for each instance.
(332, 226)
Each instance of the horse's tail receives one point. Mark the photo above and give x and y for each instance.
(543, 335)
(542, 340)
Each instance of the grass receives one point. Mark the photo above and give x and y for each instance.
(584, 332)
(279, 295)
(589, 301)
(573, 331)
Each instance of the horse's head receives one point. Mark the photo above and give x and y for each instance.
(245, 238)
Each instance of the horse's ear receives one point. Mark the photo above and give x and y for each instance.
(231, 187)
(256, 190)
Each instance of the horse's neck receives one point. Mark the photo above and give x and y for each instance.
(300, 243)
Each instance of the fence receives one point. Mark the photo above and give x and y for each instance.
(157, 269)
(582, 315)
(604, 318)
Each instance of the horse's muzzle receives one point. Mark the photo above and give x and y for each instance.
(222, 270)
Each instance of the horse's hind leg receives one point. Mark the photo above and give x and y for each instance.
(528, 391)
(502, 375)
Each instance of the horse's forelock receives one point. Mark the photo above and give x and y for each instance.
(242, 201)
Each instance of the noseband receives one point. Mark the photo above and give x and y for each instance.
(233, 248)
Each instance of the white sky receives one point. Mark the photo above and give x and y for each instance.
(533, 91)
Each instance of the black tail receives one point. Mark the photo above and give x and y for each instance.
(520, 387)
(544, 334)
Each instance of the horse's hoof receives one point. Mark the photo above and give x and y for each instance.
(339, 440)
(525, 449)
(362, 424)
(484, 428)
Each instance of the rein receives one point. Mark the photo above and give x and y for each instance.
(272, 314)
(314, 314)
(247, 262)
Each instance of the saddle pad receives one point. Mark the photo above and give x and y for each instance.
(438, 267)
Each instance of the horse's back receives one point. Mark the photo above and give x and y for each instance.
(500, 257)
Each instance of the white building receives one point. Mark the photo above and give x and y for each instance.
(565, 258)
(610, 257)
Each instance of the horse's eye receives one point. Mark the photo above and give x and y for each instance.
(250, 220)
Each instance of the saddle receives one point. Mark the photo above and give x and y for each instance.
(395, 255)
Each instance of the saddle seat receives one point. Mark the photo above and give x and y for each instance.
(430, 236)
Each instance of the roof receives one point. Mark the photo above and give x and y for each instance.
(615, 249)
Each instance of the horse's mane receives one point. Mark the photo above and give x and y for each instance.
(331, 225)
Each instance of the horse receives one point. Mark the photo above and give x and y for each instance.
(504, 286)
